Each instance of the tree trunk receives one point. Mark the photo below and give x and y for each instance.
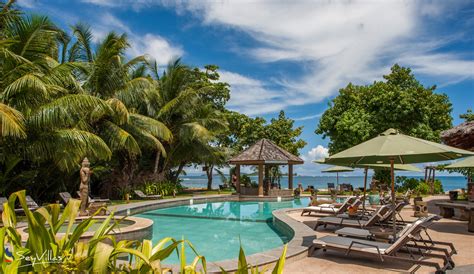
(180, 169)
(157, 162)
(209, 170)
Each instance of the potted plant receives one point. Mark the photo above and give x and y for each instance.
(374, 198)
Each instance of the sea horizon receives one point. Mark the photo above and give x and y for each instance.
(449, 182)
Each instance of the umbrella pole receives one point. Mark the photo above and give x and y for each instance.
(365, 188)
(394, 218)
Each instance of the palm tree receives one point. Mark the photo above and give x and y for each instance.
(128, 92)
(193, 121)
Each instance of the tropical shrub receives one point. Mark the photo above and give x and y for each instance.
(417, 185)
(163, 188)
(66, 253)
(48, 250)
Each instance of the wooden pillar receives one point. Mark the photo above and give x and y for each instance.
(433, 181)
(290, 176)
(260, 180)
(426, 174)
(237, 174)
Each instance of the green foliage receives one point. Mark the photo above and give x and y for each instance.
(163, 188)
(359, 113)
(245, 268)
(245, 131)
(417, 185)
(468, 116)
(67, 253)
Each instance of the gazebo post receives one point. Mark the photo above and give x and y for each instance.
(237, 174)
(260, 180)
(290, 176)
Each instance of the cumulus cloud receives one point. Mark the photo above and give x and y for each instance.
(157, 47)
(249, 95)
(153, 45)
(337, 41)
(316, 153)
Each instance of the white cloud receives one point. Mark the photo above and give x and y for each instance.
(309, 117)
(156, 46)
(250, 96)
(310, 168)
(337, 42)
(316, 153)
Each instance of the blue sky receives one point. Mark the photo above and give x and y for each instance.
(293, 55)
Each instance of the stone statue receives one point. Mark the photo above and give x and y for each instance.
(85, 173)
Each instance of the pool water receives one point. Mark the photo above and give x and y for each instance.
(216, 229)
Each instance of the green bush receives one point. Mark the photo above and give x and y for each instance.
(403, 183)
(66, 253)
(417, 185)
(163, 188)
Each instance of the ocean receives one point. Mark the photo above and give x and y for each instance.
(196, 181)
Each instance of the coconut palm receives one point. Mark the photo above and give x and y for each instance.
(193, 121)
(128, 92)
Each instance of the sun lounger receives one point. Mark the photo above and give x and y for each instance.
(330, 209)
(367, 234)
(356, 222)
(142, 195)
(95, 199)
(407, 242)
(388, 217)
(65, 196)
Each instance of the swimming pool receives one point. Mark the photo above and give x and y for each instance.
(217, 228)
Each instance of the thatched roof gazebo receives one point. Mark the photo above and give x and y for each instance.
(264, 153)
(461, 136)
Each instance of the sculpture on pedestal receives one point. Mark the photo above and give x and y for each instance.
(85, 174)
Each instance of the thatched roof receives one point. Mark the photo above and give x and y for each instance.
(461, 136)
(265, 152)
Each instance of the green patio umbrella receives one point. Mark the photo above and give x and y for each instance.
(337, 169)
(392, 147)
(464, 163)
(400, 167)
(467, 163)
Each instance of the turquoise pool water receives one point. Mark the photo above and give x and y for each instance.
(216, 229)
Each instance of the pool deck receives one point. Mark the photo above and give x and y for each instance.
(448, 230)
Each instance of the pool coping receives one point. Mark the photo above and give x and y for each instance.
(138, 228)
(301, 235)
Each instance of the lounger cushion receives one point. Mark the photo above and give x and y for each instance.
(353, 232)
(345, 222)
(345, 242)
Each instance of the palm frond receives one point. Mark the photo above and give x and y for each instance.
(11, 122)
(67, 110)
(82, 48)
(121, 115)
(154, 127)
(119, 139)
